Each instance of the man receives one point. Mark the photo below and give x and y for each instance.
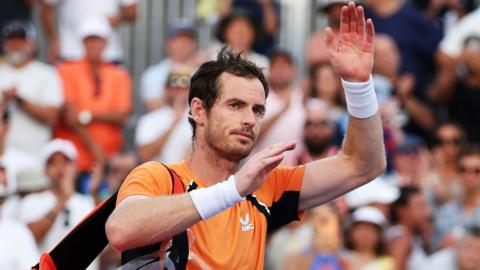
(318, 133)
(164, 134)
(316, 50)
(98, 100)
(464, 256)
(182, 56)
(409, 215)
(227, 101)
(66, 44)
(31, 90)
(285, 110)
(51, 214)
(465, 211)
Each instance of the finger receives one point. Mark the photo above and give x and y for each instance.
(330, 39)
(352, 12)
(370, 32)
(272, 162)
(361, 23)
(344, 20)
(276, 149)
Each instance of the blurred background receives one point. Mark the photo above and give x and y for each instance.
(90, 89)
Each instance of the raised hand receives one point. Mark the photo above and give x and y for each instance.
(254, 171)
(351, 53)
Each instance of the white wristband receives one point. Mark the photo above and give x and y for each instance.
(361, 98)
(214, 199)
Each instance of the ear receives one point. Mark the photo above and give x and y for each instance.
(198, 111)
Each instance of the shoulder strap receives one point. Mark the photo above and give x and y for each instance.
(178, 252)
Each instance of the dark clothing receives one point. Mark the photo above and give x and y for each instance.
(417, 39)
(464, 108)
(14, 10)
(264, 42)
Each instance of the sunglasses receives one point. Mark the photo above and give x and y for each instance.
(178, 81)
(464, 169)
(321, 123)
(449, 141)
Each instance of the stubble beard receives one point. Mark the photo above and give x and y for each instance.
(225, 147)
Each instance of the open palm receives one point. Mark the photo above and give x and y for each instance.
(351, 53)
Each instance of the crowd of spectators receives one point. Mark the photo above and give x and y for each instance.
(62, 149)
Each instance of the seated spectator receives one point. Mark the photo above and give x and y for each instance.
(237, 30)
(98, 101)
(463, 256)
(66, 44)
(415, 35)
(465, 97)
(182, 56)
(443, 182)
(165, 134)
(51, 214)
(316, 49)
(409, 215)
(18, 248)
(318, 134)
(326, 86)
(324, 251)
(465, 211)
(365, 242)
(285, 109)
(450, 55)
(31, 90)
(265, 17)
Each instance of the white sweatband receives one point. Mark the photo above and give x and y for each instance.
(361, 98)
(214, 199)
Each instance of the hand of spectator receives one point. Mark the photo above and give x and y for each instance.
(254, 171)
(351, 54)
(405, 85)
(67, 184)
(179, 105)
(9, 94)
(53, 51)
(98, 154)
(115, 21)
(96, 177)
(70, 115)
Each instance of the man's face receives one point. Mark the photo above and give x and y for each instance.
(94, 47)
(448, 141)
(282, 72)
(318, 131)
(469, 170)
(240, 34)
(18, 49)
(233, 123)
(469, 253)
(181, 46)
(418, 210)
(56, 166)
(387, 57)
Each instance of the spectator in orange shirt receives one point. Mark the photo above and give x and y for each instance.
(97, 101)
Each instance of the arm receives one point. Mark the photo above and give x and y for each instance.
(116, 118)
(362, 156)
(399, 248)
(270, 20)
(47, 13)
(46, 114)
(128, 13)
(140, 220)
(41, 227)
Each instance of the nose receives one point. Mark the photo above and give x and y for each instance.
(249, 119)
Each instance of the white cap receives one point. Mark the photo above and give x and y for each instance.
(369, 214)
(94, 26)
(377, 191)
(65, 147)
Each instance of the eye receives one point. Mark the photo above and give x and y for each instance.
(235, 105)
(259, 111)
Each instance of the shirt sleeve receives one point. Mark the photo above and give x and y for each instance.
(286, 183)
(149, 179)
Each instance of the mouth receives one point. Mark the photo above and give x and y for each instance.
(243, 134)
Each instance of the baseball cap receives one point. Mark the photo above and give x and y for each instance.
(182, 25)
(369, 214)
(377, 191)
(65, 147)
(94, 26)
(18, 28)
(328, 3)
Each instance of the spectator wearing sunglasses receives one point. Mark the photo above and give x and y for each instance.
(465, 211)
(443, 183)
(164, 134)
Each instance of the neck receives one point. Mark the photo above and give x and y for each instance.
(321, 155)
(472, 199)
(21, 65)
(386, 8)
(94, 63)
(207, 165)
